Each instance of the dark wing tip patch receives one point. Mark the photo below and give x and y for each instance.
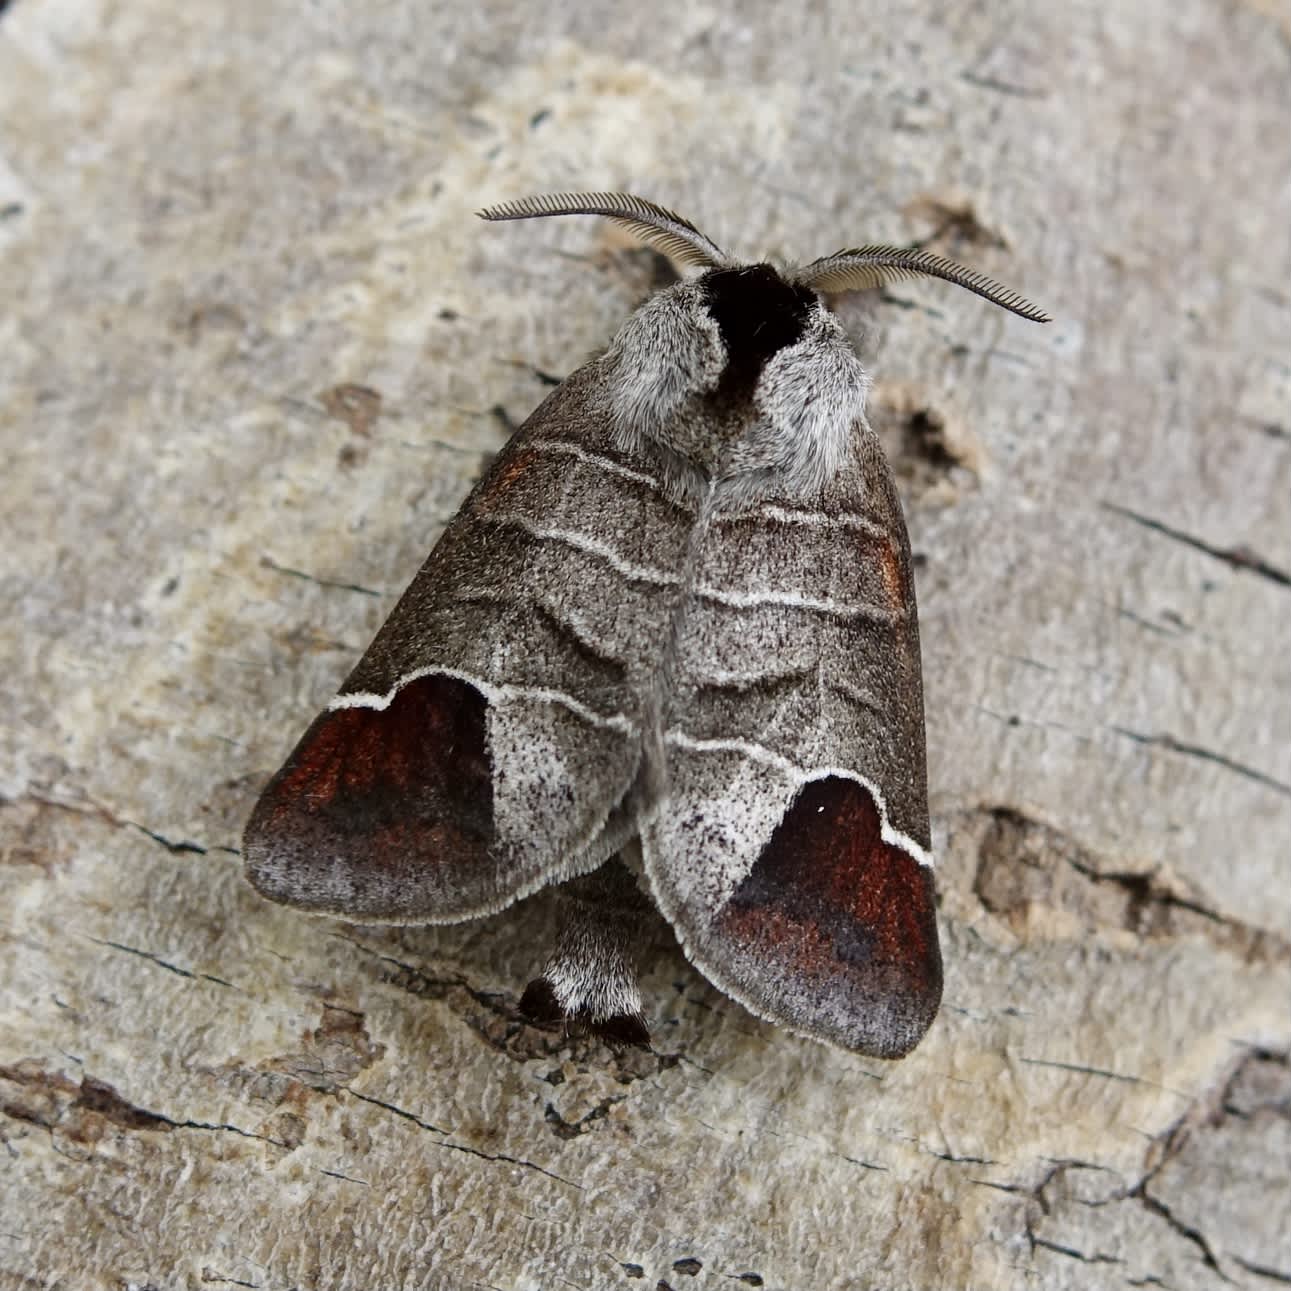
(383, 813)
(541, 1006)
(834, 929)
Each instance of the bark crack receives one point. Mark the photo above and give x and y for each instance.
(1244, 1092)
(1211, 1113)
(209, 1275)
(865, 1165)
(1206, 755)
(68, 1100)
(97, 811)
(1262, 1270)
(1058, 1249)
(1023, 862)
(169, 844)
(398, 1111)
(497, 1157)
(964, 1160)
(161, 963)
(267, 562)
(1194, 1235)
(1086, 1071)
(1001, 87)
(1239, 557)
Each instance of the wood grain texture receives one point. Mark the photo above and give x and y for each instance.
(214, 218)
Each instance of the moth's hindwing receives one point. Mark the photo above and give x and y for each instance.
(791, 853)
(482, 745)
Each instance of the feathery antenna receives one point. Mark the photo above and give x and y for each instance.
(654, 224)
(875, 265)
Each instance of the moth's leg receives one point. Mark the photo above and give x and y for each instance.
(591, 979)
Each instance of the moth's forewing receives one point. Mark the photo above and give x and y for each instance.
(834, 931)
(791, 852)
(483, 742)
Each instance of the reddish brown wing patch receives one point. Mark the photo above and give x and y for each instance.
(835, 930)
(383, 814)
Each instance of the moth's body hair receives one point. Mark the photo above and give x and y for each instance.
(590, 978)
(788, 435)
(669, 646)
(665, 358)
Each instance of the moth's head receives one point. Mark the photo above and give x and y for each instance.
(758, 313)
(742, 369)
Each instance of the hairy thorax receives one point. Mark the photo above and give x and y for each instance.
(738, 379)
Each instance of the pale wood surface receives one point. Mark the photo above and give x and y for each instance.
(213, 215)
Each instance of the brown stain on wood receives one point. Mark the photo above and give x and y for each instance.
(358, 406)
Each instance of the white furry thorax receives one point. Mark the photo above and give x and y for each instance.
(662, 373)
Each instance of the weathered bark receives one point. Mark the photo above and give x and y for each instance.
(214, 218)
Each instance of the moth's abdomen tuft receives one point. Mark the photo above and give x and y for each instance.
(540, 1005)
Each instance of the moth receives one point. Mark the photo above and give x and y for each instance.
(667, 646)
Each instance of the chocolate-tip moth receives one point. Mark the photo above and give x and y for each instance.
(667, 646)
